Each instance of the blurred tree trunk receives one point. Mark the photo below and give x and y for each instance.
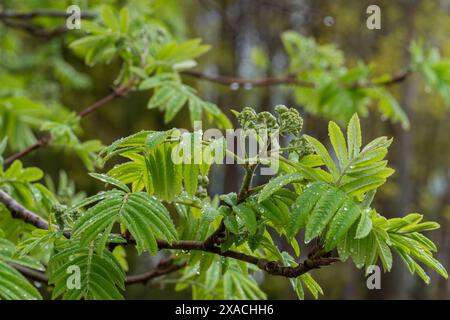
(400, 282)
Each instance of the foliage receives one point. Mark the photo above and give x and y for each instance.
(153, 58)
(330, 200)
(433, 68)
(319, 201)
(14, 285)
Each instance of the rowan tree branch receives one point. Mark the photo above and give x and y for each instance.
(163, 268)
(226, 80)
(394, 79)
(23, 20)
(272, 267)
(45, 140)
(32, 274)
(41, 142)
(246, 182)
(12, 14)
(34, 29)
(219, 79)
(220, 234)
(20, 212)
(123, 90)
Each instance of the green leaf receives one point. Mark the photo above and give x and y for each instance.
(94, 28)
(392, 109)
(277, 183)
(324, 210)
(164, 173)
(38, 239)
(324, 155)
(239, 285)
(145, 217)
(312, 285)
(154, 139)
(209, 214)
(152, 212)
(160, 96)
(9, 254)
(231, 223)
(362, 185)
(173, 105)
(195, 110)
(248, 217)
(426, 226)
(214, 113)
(213, 275)
(14, 286)
(178, 52)
(364, 225)
(338, 141)
(298, 288)
(110, 180)
(100, 274)
(303, 206)
(157, 80)
(3, 145)
(110, 18)
(190, 178)
(354, 139)
(272, 211)
(384, 251)
(344, 218)
(125, 144)
(123, 19)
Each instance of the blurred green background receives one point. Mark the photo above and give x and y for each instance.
(245, 40)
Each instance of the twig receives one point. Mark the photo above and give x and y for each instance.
(220, 79)
(22, 20)
(161, 270)
(246, 183)
(271, 267)
(395, 79)
(20, 212)
(11, 14)
(44, 141)
(31, 273)
(117, 92)
(225, 80)
(35, 29)
(220, 235)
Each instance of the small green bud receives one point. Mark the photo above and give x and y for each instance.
(267, 121)
(281, 108)
(289, 119)
(59, 214)
(203, 180)
(302, 146)
(201, 192)
(247, 118)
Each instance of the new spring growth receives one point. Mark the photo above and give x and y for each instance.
(59, 214)
(301, 146)
(288, 120)
(250, 120)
